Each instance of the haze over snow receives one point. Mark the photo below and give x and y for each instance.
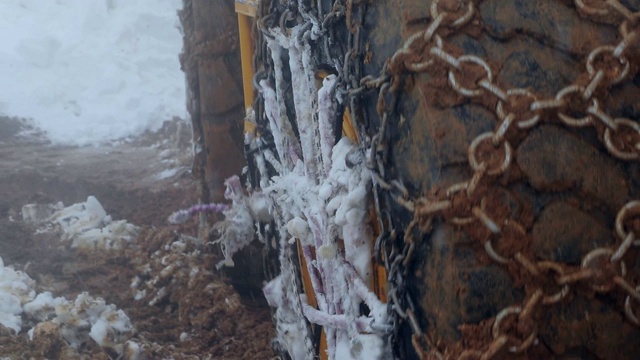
(91, 71)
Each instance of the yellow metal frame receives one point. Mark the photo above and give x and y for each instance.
(246, 12)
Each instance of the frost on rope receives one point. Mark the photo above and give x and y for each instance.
(236, 230)
(182, 216)
(318, 199)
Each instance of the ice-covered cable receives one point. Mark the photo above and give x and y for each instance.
(181, 216)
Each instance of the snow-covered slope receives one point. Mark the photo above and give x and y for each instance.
(91, 71)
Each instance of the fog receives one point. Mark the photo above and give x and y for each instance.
(87, 72)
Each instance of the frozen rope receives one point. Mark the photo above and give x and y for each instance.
(181, 216)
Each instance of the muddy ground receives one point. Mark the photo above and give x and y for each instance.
(201, 317)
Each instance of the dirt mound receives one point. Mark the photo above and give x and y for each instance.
(180, 306)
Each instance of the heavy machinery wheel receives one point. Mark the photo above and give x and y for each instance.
(503, 138)
(507, 137)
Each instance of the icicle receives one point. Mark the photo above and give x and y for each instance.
(276, 109)
(309, 75)
(305, 111)
(326, 114)
(339, 322)
(181, 216)
(268, 155)
(279, 124)
(292, 330)
(262, 169)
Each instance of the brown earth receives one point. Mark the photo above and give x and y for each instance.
(201, 317)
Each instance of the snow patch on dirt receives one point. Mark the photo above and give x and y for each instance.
(77, 321)
(86, 224)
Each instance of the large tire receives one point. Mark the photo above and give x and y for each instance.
(563, 187)
(505, 148)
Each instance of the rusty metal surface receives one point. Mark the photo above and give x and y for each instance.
(504, 142)
(527, 267)
(211, 63)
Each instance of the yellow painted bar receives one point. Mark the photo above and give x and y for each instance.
(306, 278)
(245, 23)
(311, 297)
(347, 127)
(246, 8)
(246, 54)
(324, 355)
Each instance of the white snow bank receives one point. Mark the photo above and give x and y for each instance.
(107, 322)
(88, 226)
(16, 289)
(36, 213)
(78, 321)
(167, 173)
(84, 318)
(91, 71)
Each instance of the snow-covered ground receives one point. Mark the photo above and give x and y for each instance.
(89, 227)
(91, 71)
(86, 224)
(85, 73)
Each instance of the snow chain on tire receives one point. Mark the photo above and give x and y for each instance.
(477, 201)
(485, 224)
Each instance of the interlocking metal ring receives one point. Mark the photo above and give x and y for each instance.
(451, 191)
(598, 281)
(608, 49)
(594, 110)
(488, 248)
(455, 84)
(630, 34)
(479, 165)
(621, 9)
(459, 21)
(569, 120)
(486, 220)
(613, 148)
(562, 293)
(515, 94)
(630, 207)
(495, 330)
(628, 310)
(606, 11)
(591, 10)
(494, 228)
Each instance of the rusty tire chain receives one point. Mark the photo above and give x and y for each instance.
(491, 154)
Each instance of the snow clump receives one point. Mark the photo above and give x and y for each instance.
(86, 225)
(76, 321)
